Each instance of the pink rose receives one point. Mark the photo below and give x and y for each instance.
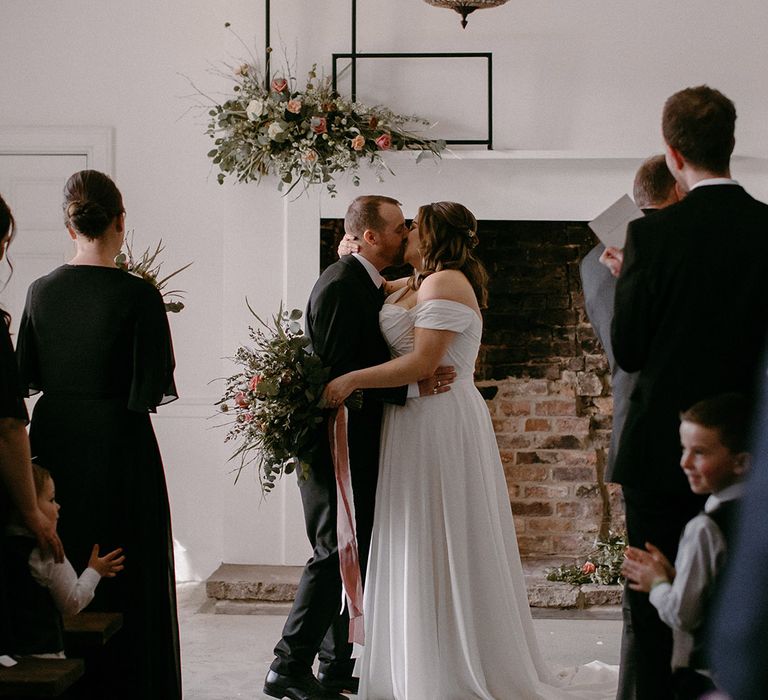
(294, 106)
(318, 125)
(253, 383)
(240, 400)
(279, 84)
(588, 568)
(384, 142)
(247, 417)
(358, 142)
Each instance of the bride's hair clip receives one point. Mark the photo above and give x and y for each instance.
(471, 238)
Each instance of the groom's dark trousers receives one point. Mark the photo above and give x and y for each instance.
(690, 314)
(342, 321)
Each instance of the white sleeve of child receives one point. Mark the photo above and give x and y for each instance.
(700, 556)
(70, 593)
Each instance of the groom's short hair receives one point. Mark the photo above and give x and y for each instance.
(364, 214)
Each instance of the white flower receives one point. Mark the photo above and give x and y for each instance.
(254, 109)
(274, 130)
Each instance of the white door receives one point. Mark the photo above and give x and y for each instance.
(32, 186)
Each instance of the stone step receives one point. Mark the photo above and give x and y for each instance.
(246, 589)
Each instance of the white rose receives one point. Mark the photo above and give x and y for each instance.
(254, 109)
(274, 130)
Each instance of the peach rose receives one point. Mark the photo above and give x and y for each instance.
(294, 106)
(309, 157)
(253, 383)
(588, 568)
(240, 400)
(384, 142)
(358, 142)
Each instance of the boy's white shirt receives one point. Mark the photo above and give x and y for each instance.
(70, 593)
(701, 555)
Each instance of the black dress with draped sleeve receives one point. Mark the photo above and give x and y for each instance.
(11, 406)
(96, 342)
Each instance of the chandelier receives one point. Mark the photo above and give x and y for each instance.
(465, 7)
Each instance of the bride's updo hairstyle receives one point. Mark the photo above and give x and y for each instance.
(447, 238)
(91, 203)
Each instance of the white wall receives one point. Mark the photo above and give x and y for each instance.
(581, 77)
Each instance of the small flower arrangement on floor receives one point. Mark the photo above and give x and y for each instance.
(602, 565)
(303, 135)
(148, 267)
(275, 399)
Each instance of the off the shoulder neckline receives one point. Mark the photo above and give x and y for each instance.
(444, 301)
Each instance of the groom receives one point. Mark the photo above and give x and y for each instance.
(343, 324)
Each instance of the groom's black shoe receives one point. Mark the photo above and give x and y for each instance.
(350, 684)
(306, 687)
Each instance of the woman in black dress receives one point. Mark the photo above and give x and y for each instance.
(17, 489)
(95, 340)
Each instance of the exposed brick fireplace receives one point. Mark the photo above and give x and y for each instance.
(552, 410)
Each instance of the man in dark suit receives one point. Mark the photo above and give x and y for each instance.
(654, 188)
(343, 324)
(690, 314)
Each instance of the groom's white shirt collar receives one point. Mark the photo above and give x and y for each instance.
(370, 268)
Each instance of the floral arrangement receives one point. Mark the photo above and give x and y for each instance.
(148, 267)
(602, 565)
(276, 399)
(303, 136)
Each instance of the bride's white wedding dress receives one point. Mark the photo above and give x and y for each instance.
(446, 610)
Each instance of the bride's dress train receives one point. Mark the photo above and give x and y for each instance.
(446, 609)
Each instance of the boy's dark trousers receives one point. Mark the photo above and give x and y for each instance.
(690, 685)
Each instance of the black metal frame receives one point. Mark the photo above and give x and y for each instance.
(354, 55)
(444, 54)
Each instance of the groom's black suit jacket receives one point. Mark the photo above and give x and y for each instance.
(690, 314)
(343, 326)
(342, 322)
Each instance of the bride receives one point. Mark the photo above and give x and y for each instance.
(446, 609)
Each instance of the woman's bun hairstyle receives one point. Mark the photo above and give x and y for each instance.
(91, 203)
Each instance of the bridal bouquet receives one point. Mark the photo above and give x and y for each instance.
(303, 135)
(275, 399)
(147, 267)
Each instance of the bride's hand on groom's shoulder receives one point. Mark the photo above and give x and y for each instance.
(439, 382)
(348, 245)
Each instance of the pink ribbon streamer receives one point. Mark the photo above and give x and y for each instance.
(346, 536)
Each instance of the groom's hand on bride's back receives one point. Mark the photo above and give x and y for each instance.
(439, 382)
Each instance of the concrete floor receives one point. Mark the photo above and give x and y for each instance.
(224, 657)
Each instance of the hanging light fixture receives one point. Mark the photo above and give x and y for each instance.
(465, 7)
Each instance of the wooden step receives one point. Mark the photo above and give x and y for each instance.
(89, 630)
(39, 678)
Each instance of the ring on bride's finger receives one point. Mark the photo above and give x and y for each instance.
(439, 383)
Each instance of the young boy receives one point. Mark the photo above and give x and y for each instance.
(713, 434)
(40, 591)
